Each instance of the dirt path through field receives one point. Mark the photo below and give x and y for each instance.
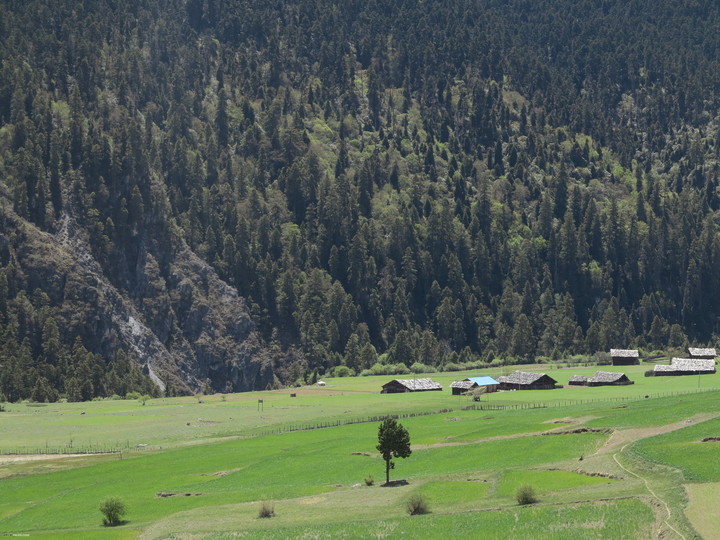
(570, 423)
(22, 458)
(476, 441)
(621, 437)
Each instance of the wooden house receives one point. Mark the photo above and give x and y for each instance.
(490, 384)
(578, 380)
(702, 354)
(398, 386)
(683, 366)
(625, 357)
(461, 387)
(522, 380)
(608, 378)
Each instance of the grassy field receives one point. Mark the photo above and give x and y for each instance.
(181, 421)
(684, 449)
(199, 467)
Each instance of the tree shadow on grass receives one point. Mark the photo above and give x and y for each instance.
(116, 523)
(395, 483)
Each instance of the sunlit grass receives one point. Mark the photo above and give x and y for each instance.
(221, 456)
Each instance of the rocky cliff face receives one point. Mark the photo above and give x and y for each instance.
(188, 329)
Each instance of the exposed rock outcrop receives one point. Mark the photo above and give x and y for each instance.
(188, 329)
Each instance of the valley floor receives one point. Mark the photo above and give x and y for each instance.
(612, 465)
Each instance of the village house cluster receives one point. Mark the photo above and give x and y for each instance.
(700, 361)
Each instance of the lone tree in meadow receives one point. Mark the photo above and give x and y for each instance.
(113, 509)
(393, 442)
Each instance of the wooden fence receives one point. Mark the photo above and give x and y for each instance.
(119, 448)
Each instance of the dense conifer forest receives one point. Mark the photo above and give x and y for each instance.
(231, 195)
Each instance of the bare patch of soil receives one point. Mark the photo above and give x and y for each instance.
(165, 494)
(313, 500)
(574, 431)
(570, 420)
(222, 473)
(586, 473)
(368, 454)
(556, 431)
(21, 458)
(711, 439)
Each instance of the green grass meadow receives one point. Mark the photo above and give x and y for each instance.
(683, 449)
(199, 467)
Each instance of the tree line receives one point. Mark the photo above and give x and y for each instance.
(397, 183)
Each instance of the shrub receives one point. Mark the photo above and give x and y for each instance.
(113, 509)
(343, 371)
(417, 504)
(386, 369)
(453, 366)
(267, 510)
(369, 481)
(417, 367)
(378, 369)
(398, 369)
(601, 358)
(526, 495)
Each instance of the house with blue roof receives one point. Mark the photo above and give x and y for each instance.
(471, 383)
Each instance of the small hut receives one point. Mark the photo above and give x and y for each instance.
(625, 357)
(702, 354)
(398, 386)
(490, 384)
(683, 366)
(578, 380)
(461, 387)
(522, 380)
(608, 378)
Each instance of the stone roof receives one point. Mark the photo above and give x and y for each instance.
(419, 384)
(578, 379)
(697, 352)
(624, 353)
(605, 377)
(523, 378)
(687, 364)
(463, 385)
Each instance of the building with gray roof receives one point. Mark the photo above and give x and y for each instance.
(702, 354)
(397, 386)
(608, 378)
(684, 366)
(523, 380)
(625, 357)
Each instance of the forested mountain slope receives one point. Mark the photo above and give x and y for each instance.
(239, 194)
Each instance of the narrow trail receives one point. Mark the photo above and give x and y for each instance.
(620, 437)
(651, 491)
(626, 437)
